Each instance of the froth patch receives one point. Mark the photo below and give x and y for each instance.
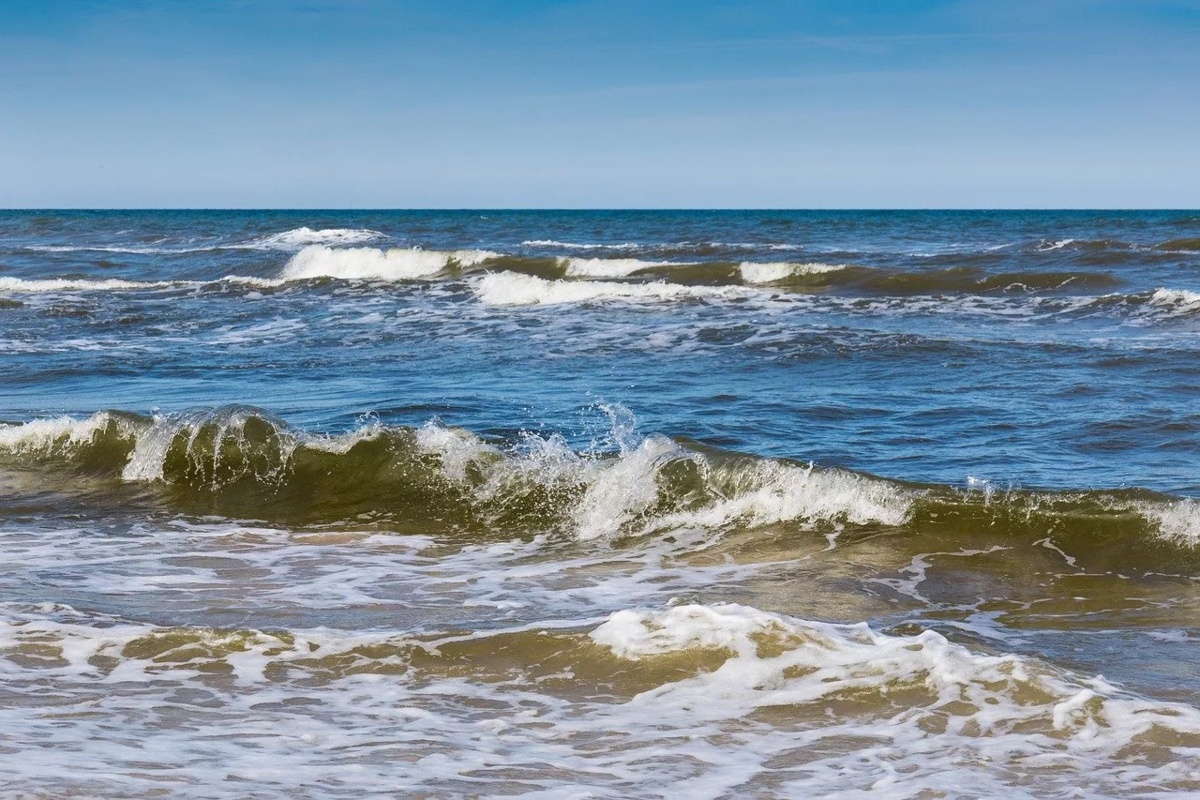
(304, 236)
(606, 267)
(33, 286)
(44, 285)
(1178, 300)
(514, 289)
(368, 263)
(1177, 521)
(773, 272)
(578, 246)
(764, 492)
(910, 681)
(58, 435)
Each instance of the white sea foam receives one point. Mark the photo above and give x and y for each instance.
(38, 285)
(1176, 300)
(578, 246)
(622, 493)
(765, 492)
(302, 237)
(606, 267)
(1177, 521)
(755, 272)
(54, 435)
(368, 263)
(1058, 245)
(46, 285)
(748, 702)
(1011, 708)
(515, 289)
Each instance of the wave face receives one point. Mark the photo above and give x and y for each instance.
(341, 503)
(244, 461)
(237, 458)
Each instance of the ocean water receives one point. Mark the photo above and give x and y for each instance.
(599, 504)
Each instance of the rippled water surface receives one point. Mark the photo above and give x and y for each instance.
(614, 504)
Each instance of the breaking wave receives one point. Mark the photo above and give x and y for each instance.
(243, 461)
(302, 237)
(368, 263)
(774, 272)
(1179, 302)
(515, 289)
(239, 457)
(606, 267)
(710, 700)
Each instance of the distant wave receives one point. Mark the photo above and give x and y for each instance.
(1177, 302)
(515, 289)
(46, 285)
(302, 237)
(665, 249)
(754, 272)
(607, 267)
(1191, 245)
(290, 240)
(367, 263)
(578, 246)
(497, 279)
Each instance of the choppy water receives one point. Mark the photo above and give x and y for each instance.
(614, 504)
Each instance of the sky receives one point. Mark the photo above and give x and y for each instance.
(600, 104)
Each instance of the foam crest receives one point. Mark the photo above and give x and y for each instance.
(298, 238)
(578, 246)
(765, 492)
(56, 436)
(606, 267)
(1177, 301)
(773, 272)
(624, 491)
(1177, 521)
(368, 263)
(34, 286)
(515, 289)
(455, 449)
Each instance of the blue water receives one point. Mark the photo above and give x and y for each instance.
(926, 385)
(362, 427)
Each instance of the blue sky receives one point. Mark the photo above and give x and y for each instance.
(532, 103)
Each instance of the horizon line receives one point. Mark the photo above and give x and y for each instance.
(587, 209)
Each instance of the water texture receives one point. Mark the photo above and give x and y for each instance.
(599, 504)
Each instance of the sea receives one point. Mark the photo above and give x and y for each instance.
(599, 504)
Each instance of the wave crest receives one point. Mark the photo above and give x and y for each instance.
(237, 458)
(298, 238)
(368, 263)
(515, 289)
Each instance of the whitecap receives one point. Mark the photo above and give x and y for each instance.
(514, 289)
(368, 263)
(298, 238)
(771, 272)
